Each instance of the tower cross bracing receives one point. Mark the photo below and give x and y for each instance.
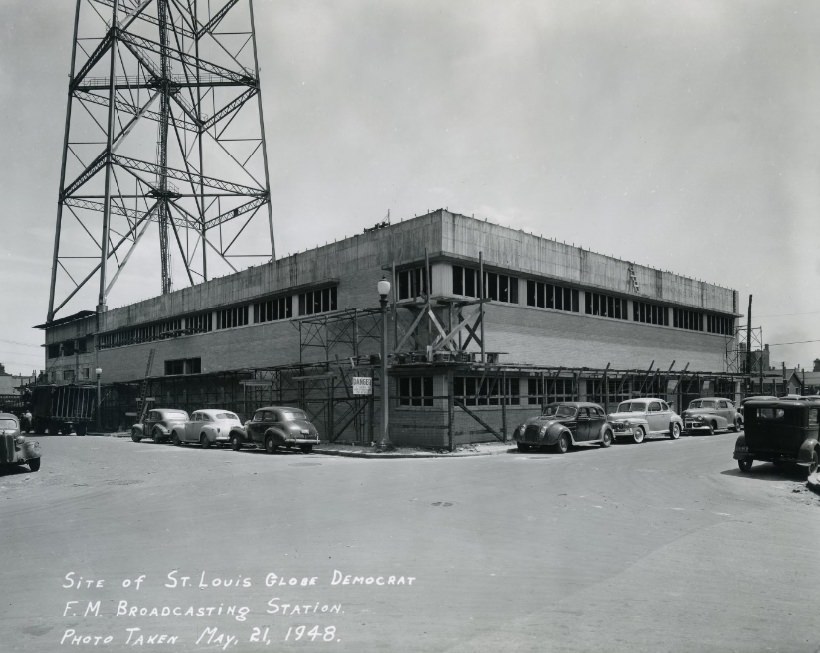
(164, 143)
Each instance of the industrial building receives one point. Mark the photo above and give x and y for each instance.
(485, 323)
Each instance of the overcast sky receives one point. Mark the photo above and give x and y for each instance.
(680, 135)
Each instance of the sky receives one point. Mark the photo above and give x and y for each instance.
(683, 136)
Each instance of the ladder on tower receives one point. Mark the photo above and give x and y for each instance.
(144, 387)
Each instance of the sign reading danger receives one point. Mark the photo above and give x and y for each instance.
(362, 385)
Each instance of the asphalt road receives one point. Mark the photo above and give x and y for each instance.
(663, 546)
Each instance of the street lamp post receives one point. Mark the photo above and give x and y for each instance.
(383, 288)
(99, 400)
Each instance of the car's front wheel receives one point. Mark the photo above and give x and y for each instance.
(204, 441)
(135, 435)
(563, 443)
(674, 432)
(606, 439)
(34, 464)
(815, 460)
(745, 464)
(156, 435)
(236, 442)
(175, 439)
(638, 435)
(270, 444)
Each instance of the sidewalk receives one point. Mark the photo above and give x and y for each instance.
(461, 451)
(366, 451)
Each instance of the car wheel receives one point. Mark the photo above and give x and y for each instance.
(236, 442)
(563, 443)
(82, 429)
(735, 427)
(638, 435)
(204, 441)
(745, 464)
(175, 439)
(712, 428)
(34, 464)
(156, 435)
(135, 435)
(306, 448)
(674, 432)
(813, 463)
(270, 444)
(606, 440)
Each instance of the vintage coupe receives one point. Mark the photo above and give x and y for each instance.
(158, 424)
(780, 431)
(15, 448)
(645, 417)
(711, 414)
(207, 427)
(282, 426)
(564, 424)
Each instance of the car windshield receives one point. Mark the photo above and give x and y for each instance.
(8, 423)
(702, 403)
(559, 410)
(226, 416)
(291, 415)
(631, 407)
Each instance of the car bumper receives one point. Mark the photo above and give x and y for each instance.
(696, 426)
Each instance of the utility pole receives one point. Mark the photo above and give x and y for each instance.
(749, 349)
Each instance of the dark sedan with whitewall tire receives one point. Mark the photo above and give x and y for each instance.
(563, 425)
(645, 417)
(275, 427)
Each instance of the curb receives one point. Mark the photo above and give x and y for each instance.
(394, 454)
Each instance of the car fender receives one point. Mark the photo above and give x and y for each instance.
(636, 421)
(554, 431)
(277, 433)
(140, 430)
(606, 426)
(804, 455)
(741, 450)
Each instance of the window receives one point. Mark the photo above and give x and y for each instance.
(416, 391)
(317, 301)
(721, 324)
(200, 323)
(68, 375)
(543, 390)
(498, 287)
(411, 283)
(605, 305)
(487, 391)
(655, 407)
(86, 373)
(650, 313)
(272, 309)
(54, 351)
(183, 366)
(228, 318)
(683, 318)
(547, 295)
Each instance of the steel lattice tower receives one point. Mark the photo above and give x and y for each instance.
(164, 135)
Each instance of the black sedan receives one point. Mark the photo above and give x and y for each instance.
(562, 425)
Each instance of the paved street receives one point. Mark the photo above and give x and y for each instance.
(662, 546)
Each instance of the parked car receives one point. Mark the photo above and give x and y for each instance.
(158, 424)
(206, 427)
(780, 431)
(645, 417)
(710, 414)
(16, 448)
(282, 426)
(564, 424)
